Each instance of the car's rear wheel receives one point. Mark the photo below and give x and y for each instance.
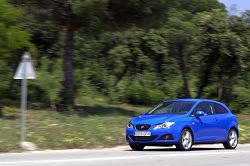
(136, 147)
(185, 141)
(232, 140)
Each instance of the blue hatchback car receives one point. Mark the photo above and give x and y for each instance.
(184, 122)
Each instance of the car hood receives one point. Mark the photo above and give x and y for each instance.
(154, 119)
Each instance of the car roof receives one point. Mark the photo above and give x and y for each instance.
(198, 101)
(191, 100)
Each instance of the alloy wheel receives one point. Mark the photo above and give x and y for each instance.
(233, 138)
(186, 139)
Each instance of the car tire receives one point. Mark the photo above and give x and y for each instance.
(185, 141)
(232, 140)
(136, 147)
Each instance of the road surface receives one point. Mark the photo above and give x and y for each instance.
(202, 155)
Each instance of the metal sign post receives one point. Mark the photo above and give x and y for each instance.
(24, 71)
(24, 100)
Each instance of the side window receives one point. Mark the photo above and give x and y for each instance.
(207, 108)
(219, 109)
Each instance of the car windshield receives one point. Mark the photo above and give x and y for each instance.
(172, 108)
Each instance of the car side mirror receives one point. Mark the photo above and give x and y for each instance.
(199, 114)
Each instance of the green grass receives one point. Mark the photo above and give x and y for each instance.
(88, 127)
(244, 127)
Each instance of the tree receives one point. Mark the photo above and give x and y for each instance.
(211, 26)
(181, 32)
(109, 42)
(196, 6)
(13, 42)
(89, 14)
(60, 12)
(221, 54)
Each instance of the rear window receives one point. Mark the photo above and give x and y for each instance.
(172, 108)
(219, 109)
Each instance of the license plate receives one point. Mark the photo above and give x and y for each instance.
(143, 133)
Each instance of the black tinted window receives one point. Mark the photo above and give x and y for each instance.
(172, 108)
(219, 109)
(206, 107)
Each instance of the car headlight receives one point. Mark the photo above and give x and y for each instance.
(129, 125)
(165, 125)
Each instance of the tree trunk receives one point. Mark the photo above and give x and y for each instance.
(206, 73)
(228, 86)
(183, 71)
(68, 64)
(204, 81)
(120, 76)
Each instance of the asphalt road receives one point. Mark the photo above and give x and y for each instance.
(203, 155)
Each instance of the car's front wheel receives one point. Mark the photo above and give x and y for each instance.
(185, 141)
(136, 147)
(232, 140)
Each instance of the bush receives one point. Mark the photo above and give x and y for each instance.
(46, 90)
(140, 95)
(10, 112)
(241, 102)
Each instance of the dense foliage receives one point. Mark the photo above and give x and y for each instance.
(138, 51)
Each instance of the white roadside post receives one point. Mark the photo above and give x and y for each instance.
(24, 71)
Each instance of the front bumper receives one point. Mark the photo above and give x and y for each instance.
(158, 136)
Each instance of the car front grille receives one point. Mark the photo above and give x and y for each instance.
(142, 138)
(142, 126)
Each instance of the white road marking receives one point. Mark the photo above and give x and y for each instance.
(115, 158)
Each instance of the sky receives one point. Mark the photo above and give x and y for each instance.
(241, 5)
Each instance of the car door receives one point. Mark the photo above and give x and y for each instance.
(206, 128)
(223, 119)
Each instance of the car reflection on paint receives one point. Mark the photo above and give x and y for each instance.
(184, 122)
